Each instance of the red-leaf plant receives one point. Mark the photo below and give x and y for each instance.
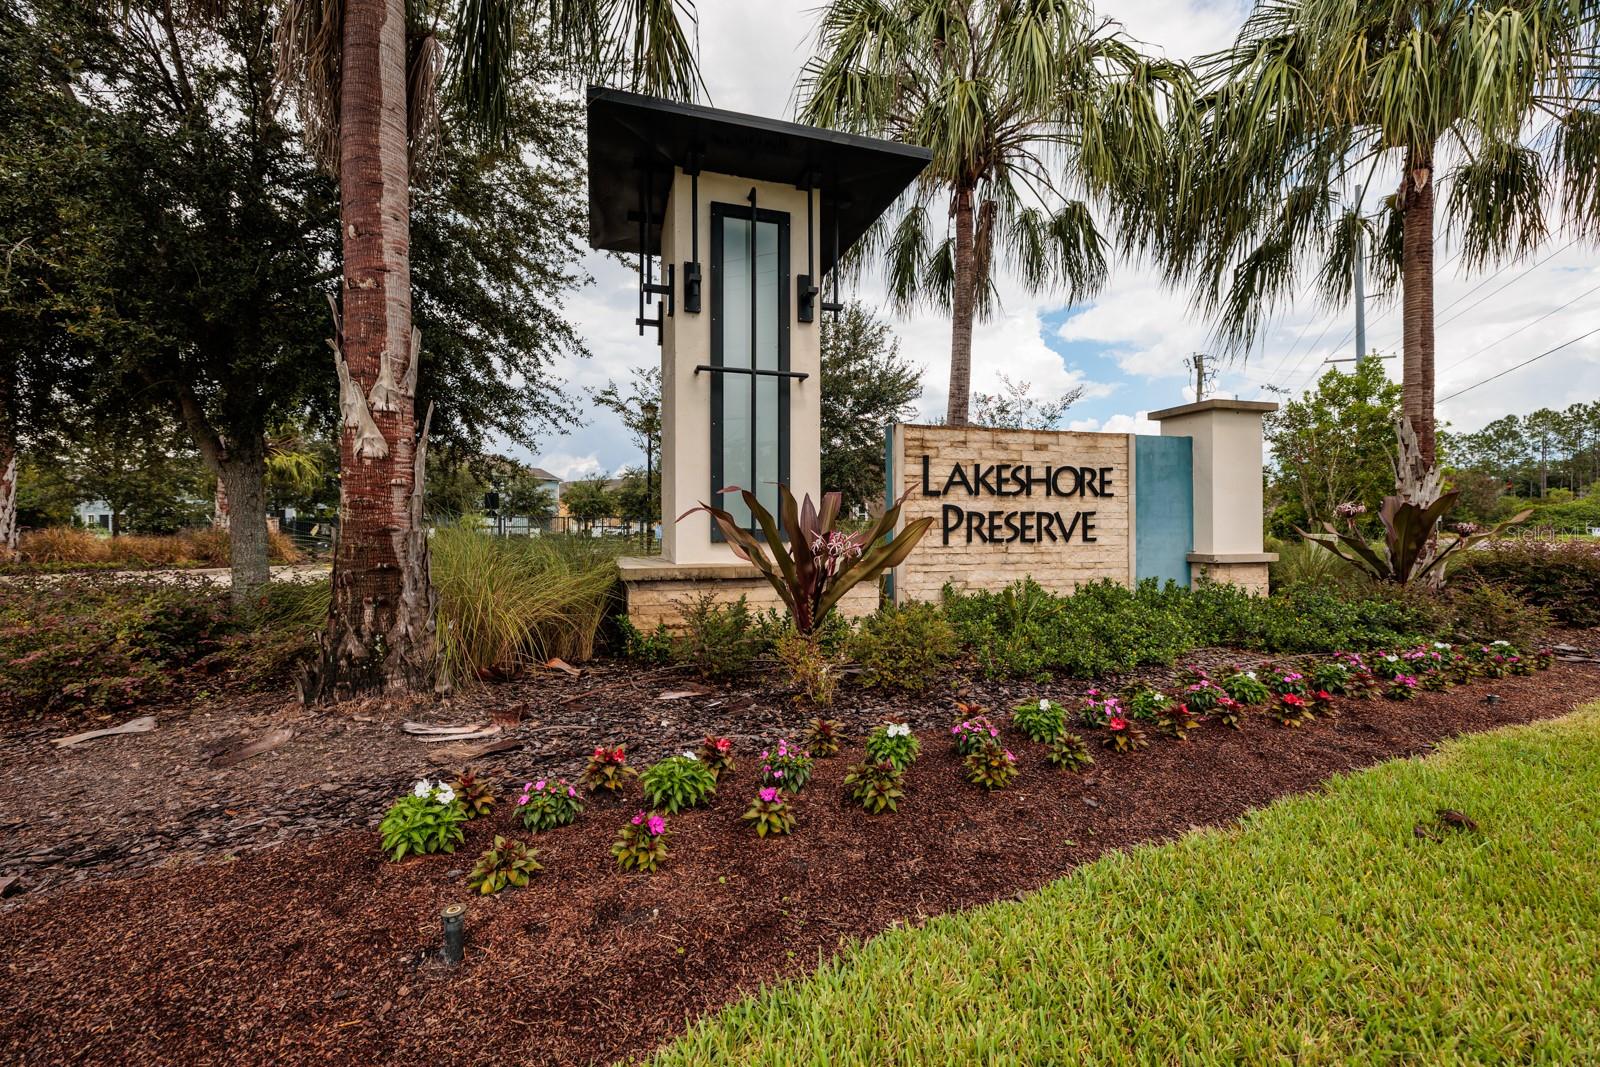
(819, 564)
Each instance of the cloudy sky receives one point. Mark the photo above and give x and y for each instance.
(1126, 347)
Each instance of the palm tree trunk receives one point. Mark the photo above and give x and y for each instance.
(380, 632)
(962, 305)
(1416, 204)
(8, 463)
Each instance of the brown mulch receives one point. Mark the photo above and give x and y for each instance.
(321, 952)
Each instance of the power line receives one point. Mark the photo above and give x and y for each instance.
(1509, 281)
(1519, 366)
(1519, 329)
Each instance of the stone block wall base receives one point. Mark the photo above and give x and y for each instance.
(1251, 577)
(658, 591)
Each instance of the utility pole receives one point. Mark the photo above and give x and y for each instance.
(1361, 283)
(1202, 377)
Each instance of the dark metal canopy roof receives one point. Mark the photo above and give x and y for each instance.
(635, 142)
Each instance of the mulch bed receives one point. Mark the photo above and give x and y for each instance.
(319, 951)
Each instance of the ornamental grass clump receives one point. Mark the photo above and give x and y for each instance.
(1291, 709)
(1069, 752)
(786, 767)
(1039, 720)
(992, 766)
(893, 743)
(678, 782)
(877, 786)
(429, 820)
(607, 769)
(972, 733)
(547, 804)
(770, 812)
(641, 844)
(823, 737)
(476, 795)
(1246, 688)
(717, 755)
(504, 863)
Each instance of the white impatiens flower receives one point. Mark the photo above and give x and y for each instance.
(422, 788)
(691, 755)
(1044, 705)
(1249, 674)
(897, 729)
(445, 794)
(1441, 644)
(1500, 642)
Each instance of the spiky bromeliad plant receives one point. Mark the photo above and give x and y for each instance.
(823, 736)
(819, 564)
(1069, 752)
(1412, 550)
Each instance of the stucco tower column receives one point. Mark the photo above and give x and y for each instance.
(1228, 511)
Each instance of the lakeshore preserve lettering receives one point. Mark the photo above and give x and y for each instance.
(1041, 484)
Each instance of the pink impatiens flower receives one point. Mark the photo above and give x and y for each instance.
(769, 794)
(657, 826)
(638, 819)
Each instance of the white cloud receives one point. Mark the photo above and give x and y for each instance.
(1138, 422)
(569, 467)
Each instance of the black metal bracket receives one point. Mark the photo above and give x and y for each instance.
(662, 289)
(797, 375)
(691, 266)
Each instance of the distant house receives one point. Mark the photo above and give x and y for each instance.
(95, 514)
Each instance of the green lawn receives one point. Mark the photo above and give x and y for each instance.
(1320, 930)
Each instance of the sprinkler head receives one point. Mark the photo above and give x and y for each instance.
(454, 920)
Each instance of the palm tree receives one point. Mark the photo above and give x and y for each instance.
(1032, 109)
(1490, 102)
(368, 74)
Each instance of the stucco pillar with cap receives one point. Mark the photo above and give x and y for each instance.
(1228, 505)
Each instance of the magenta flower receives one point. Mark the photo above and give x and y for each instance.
(769, 794)
(638, 819)
(657, 826)
(523, 799)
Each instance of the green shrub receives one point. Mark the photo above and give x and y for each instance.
(1246, 688)
(652, 649)
(719, 640)
(101, 643)
(810, 667)
(678, 782)
(1103, 628)
(906, 647)
(1562, 577)
(1482, 612)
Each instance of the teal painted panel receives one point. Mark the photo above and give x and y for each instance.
(1163, 524)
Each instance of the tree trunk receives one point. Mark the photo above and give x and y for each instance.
(1416, 205)
(242, 479)
(8, 500)
(962, 306)
(380, 634)
(219, 506)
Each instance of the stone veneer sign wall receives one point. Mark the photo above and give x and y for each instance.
(1009, 503)
(1068, 507)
